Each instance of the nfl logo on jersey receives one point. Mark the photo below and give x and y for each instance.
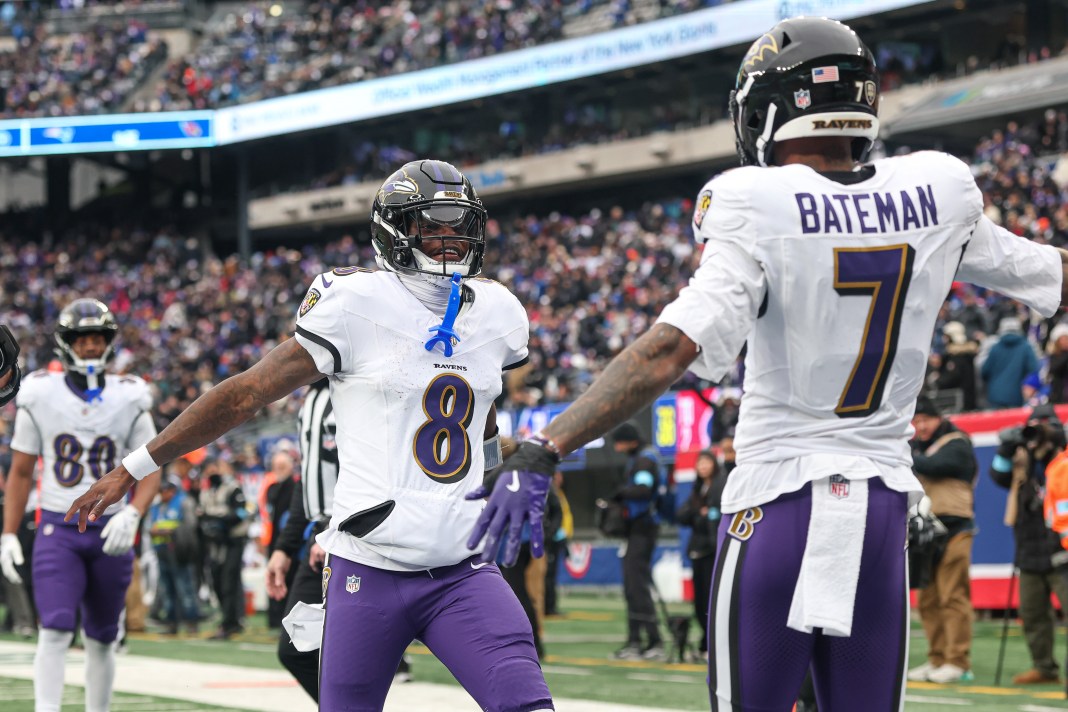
(352, 584)
(839, 486)
(802, 98)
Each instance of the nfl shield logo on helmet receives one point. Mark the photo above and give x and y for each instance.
(839, 486)
(802, 98)
(352, 584)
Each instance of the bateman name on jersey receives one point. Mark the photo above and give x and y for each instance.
(866, 213)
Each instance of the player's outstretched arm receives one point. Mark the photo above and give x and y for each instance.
(286, 368)
(633, 380)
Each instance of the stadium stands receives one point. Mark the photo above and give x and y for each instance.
(591, 281)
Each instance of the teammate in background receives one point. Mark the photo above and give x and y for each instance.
(81, 421)
(834, 273)
(10, 373)
(414, 353)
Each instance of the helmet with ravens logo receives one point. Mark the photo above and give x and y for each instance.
(418, 211)
(806, 77)
(85, 316)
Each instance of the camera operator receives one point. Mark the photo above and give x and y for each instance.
(944, 462)
(1020, 466)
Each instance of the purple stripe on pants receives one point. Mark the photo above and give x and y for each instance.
(467, 616)
(756, 662)
(71, 572)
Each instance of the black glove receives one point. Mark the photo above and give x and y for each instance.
(533, 457)
(9, 354)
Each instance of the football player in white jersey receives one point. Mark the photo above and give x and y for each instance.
(414, 353)
(80, 422)
(833, 272)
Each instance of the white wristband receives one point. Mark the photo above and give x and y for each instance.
(139, 463)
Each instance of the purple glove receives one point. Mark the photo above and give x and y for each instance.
(517, 497)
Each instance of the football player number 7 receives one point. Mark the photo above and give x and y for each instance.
(882, 274)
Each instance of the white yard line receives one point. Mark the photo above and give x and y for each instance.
(257, 688)
(938, 700)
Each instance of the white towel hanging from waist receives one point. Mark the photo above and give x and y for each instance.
(827, 585)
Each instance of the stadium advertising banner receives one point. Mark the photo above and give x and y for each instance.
(113, 132)
(635, 46)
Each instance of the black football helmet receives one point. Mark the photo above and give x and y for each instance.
(805, 77)
(85, 316)
(428, 201)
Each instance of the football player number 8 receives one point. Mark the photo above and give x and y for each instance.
(883, 274)
(441, 446)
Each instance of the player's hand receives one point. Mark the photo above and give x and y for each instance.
(516, 498)
(10, 557)
(316, 557)
(277, 568)
(105, 492)
(121, 530)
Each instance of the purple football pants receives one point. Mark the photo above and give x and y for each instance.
(71, 572)
(756, 663)
(467, 616)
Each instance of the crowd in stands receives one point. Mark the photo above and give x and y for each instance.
(988, 349)
(269, 49)
(89, 72)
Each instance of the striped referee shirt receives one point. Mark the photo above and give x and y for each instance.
(318, 452)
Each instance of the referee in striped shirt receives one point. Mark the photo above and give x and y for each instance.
(309, 515)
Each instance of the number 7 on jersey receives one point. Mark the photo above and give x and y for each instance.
(882, 273)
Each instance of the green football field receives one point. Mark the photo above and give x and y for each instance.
(578, 666)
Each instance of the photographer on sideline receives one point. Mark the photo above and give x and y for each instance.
(1020, 466)
(944, 462)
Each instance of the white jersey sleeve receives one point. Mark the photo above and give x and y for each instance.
(718, 308)
(27, 436)
(516, 340)
(1014, 266)
(143, 429)
(322, 327)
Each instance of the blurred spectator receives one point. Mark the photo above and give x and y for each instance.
(556, 546)
(224, 523)
(172, 524)
(1058, 363)
(958, 364)
(701, 513)
(638, 491)
(276, 494)
(1020, 467)
(944, 462)
(1010, 361)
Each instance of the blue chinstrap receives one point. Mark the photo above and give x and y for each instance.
(445, 334)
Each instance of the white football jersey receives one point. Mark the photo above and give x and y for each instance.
(80, 441)
(836, 287)
(410, 422)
